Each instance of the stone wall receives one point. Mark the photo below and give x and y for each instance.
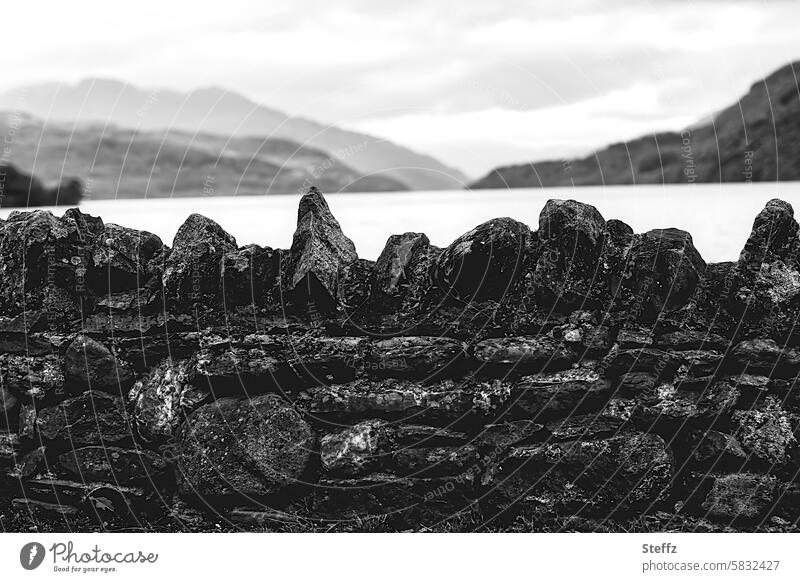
(577, 376)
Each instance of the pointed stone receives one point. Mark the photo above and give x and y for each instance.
(394, 269)
(319, 252)
(774, 236)
(192, 270)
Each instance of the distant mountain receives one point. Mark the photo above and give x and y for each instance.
(756, 139)
(114, 162)
(221, 112)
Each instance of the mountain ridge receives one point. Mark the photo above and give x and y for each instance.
(755, 139)
(118, 162)
(215, 110)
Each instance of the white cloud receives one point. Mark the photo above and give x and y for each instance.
(450, 77)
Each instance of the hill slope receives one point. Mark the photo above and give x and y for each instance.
(216, 111)
(122, 163)
(756, 139)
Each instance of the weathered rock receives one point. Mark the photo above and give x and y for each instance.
(28, 463)
(8, 408)
(637, 336)
(89, 365)
(192, 269)
(163, 398)
(112, 464)
(585, 335)
(658, 363)
(773, 237)
(89, 419)
(255, 447)
(718, 450)
(319, 252)
(629, 472)
(395, 269)
(355, 285)
(27, 420)
(668, 409)
(692, 340)
(35, 377)
(249, 275)
(42, 257)
(422, 358)
(741, 496)
(42, 510)
(485, 262)
(525, 354)
(765, 432)
(121, 259)
(765, 356)
(436, 461)
(663, 270)
(357, 450)
(542, 402)
(581, 427)
(443, 403)
(568, 267)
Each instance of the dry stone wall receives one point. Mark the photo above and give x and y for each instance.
(575, 376)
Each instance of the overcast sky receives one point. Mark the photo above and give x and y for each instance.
(472, 82)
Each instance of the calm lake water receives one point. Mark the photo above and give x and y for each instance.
(719, 216)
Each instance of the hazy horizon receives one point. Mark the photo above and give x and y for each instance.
(475, 86)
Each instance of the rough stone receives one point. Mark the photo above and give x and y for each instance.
(89, 419)
(525, 354)
(663, 270)
(35, 377)
(89, 364)
(765, 432)
(235, 447)
(569, 265)
(121, 259)
(319, 252)
(394, 269)
(112, 464)
(741, 496)
(422, 358)
(356, 450)
(163, 398)
(485, 262)
(629, 472)
(192, 269)
(249, 275)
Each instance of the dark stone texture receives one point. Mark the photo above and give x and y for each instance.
(88, 364)
(525, 354)
(394, 272)
(625, 473)
(319, 252)
(162, 399)
(485, 262)
(249, 275)
(35, 378)
(741, 496)
(257, 447)
(89, 419)
(112, 464)
(192, 269)
(569, 266)
(123, 259)
(356, 450)
(662, 271)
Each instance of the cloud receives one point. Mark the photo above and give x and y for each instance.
(449, 69)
